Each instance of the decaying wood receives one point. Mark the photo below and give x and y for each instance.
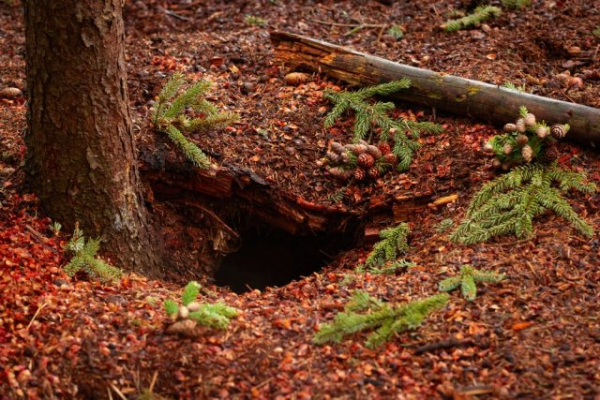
(462, 96)
(177, 179)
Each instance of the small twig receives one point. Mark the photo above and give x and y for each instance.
(35, 315)
(117, 391)
(444, 344)
(40, 238)
(212, 215)
(176, 16)
(153, 382)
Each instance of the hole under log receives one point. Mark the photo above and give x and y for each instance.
(269, 256)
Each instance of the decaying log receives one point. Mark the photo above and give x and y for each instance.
(462, 96)
(177, 180)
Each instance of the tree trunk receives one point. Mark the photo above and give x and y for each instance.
(80, 147)
(450, 93)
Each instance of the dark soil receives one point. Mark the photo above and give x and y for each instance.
(537, 335)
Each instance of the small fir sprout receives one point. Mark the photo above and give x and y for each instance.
(178, 111)
(396, 32)
(192, 313)
(389, 268)
(444, 225)
(397, 138)
(596, 32)
(512, 86)
(480, 14)
(467, 281)
(516, 4)
(55, 227)
(366, 313)
(85, 259)
(526, 140)
(255, 21)
(509, 204)
(393, 243)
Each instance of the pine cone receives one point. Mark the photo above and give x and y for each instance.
(357, 148)
(521, 128)
(529, 119)
(507, 149)
(488, 148)
(542, 131)
(527, 153)
(391, 158)
(496, 163)
(508, 128)
(333, 157)
(341, 173)
(366, 160)
(337, 147)
(559, 131)
(551, 153)
(359, 174)
(384, 148)
(522, 140)
(374, 151)
(373, 172)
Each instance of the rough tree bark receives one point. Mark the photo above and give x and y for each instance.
(80, 147)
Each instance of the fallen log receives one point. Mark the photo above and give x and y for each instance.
(457, 95)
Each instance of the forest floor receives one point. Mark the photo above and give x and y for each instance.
(536, 335)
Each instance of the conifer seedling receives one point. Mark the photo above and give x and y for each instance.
(215, 315)
(171, 115)
(363, 312)
(372, 118)
(510, 203)
(467, 281)
(393, 242)
(85, 259)
(480, 14)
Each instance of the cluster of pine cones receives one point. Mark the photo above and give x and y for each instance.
(522, 137)
(360, 161)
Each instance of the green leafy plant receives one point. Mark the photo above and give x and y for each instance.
(215, 315)
(364, 312)
(85, 259)
(180, 111)
(374, 115)
(596, 32)
(467, 281)
(480, 14)
(516, 4)
(396, 32)
(510, 203)
(393, 242)
(255, 21)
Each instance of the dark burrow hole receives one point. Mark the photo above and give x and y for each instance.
(269, 256)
